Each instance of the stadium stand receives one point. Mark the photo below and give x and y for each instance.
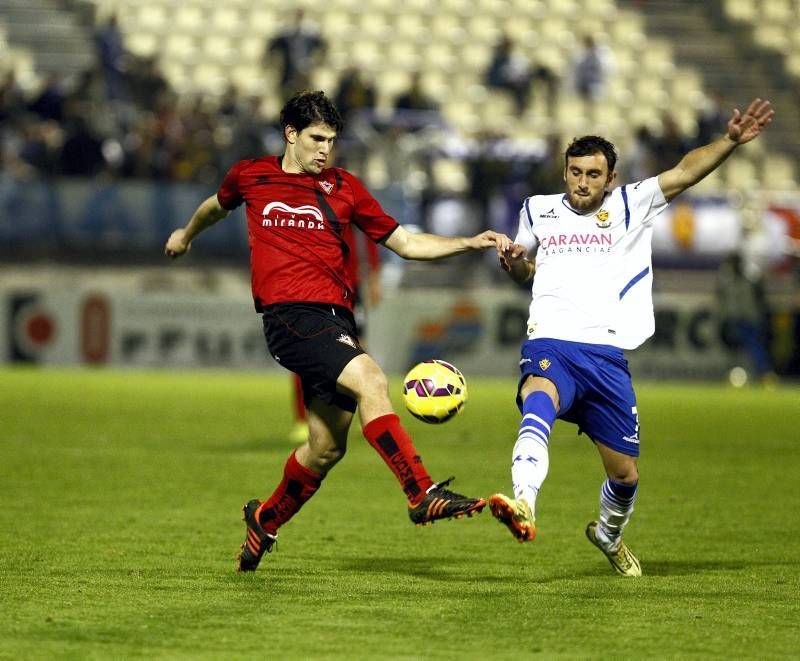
(202, 46)
(743, 49)
(774, 27)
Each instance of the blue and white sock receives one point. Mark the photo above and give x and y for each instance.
(531, 459)
(616, 507)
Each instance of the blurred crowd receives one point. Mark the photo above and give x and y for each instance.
(135, 127)
(121, 118)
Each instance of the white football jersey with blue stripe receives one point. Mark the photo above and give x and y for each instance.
(594, 271)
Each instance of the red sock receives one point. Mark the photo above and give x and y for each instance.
(297, 486)
(393, 443)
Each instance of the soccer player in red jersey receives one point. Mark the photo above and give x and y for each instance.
(297, 212)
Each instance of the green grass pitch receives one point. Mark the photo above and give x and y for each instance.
(120, 521)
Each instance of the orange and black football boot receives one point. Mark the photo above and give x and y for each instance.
(257, 542)
(441, 503)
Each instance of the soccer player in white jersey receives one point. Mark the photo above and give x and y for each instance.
(590, 251)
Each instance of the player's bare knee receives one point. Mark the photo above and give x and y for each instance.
(328, 458)
(626, 473)
(320, 456)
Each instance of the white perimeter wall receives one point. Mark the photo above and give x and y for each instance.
(175, 319)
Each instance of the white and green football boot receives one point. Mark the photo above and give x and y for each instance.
(621, 558)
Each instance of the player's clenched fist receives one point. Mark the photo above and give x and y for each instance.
(176, 244)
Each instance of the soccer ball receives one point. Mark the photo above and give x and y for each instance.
(434, 391)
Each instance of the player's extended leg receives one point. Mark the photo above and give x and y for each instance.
(364, 380)
(617, 495)
(302, 475)
(530, 458)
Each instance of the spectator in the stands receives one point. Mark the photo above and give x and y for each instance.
(670, 146)
(641, 157)
(297, 47)
(414, 108)
(511, 70)
(114, 58)
(414, 97)
(147, 81)
(49, 102)
(36, 142)
(591, 69)
(355, 94)
(712, 118)
(82, 152)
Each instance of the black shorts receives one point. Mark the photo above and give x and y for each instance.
(316, 342)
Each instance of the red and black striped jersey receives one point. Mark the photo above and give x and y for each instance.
(296, 227)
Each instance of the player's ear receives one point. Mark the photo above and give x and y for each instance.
(290, 134)
(611, 178)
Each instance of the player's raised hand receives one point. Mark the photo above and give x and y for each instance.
(743, 128)
(177, 244)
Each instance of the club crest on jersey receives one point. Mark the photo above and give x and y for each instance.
(602, 219)
(344, 338)
(544, 363)
(327, 186)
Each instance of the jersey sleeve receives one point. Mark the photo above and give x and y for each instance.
(367, 211)
(229, 196)
(525, 235)
(643, 200)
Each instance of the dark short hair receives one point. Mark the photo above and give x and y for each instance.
(592, 144)
(307, 108)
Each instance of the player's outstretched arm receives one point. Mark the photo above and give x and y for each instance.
(433, 246)
(699, 162)
(209, 212)
(515, 262)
